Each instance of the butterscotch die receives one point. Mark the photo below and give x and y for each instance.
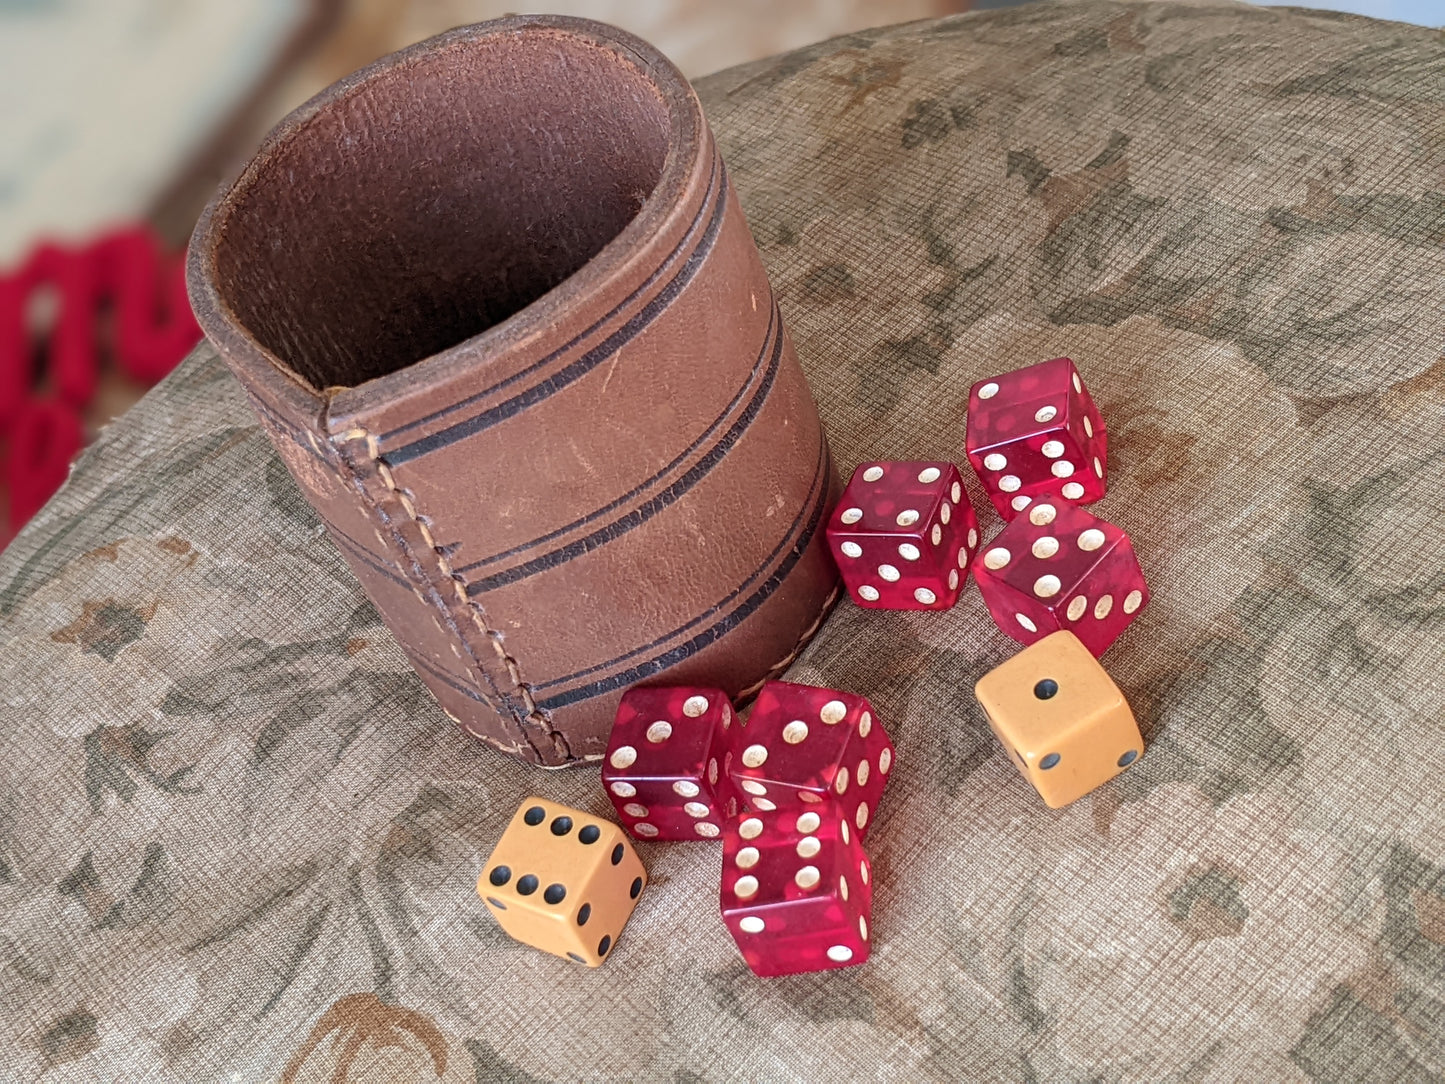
(1063, 721)
(563, 881)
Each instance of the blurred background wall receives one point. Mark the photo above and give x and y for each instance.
(116, 109)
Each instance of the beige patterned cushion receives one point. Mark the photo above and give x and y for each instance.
(238, 841)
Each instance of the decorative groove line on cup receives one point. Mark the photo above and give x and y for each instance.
(574, 371)
(364, 555)
(441, 412)
(795, 542)
(636, 517)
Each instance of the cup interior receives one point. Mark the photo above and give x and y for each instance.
(435, 197)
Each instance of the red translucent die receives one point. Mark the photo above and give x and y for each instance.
(1059, 567)
(903, 534)
(804, 748)
(797, 891)
(1035, 434)
(663, 764)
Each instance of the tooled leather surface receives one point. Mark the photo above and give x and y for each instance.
(624, 494)
(584, 569)
(460, 621)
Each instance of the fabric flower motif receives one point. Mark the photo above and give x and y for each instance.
(1177, 937)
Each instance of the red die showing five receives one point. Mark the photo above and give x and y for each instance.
(804, 748)
(1035, 434)
(903, 534)
(796, 890)
(662, 766)
(1058, 567)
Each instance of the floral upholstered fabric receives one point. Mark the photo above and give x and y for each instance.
(238, 841)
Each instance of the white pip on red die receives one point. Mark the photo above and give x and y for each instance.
(903, 534)
(1035, 434)
(803, 747)
(796, 892)
(663, 767)
(1061, 567)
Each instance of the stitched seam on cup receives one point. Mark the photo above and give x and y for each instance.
(803, 641)
(538, 718)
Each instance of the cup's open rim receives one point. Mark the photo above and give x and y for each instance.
(683, 160)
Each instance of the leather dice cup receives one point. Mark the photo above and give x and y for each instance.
(495, 303)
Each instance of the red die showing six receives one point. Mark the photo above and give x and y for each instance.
(903, 534)
(1035, 434)
(804, 748)
(1058, 567)
(662, 765)
(796, 890)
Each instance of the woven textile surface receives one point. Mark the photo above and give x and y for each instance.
(238, 841)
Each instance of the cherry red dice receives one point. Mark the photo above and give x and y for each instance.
(797, 891)
(803, 748)
(1060, 567)
(1035, 434)
(903, 534)
(663, 768)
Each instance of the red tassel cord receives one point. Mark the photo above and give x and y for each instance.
(48, 380)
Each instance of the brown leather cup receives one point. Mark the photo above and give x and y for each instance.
(495, 302)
